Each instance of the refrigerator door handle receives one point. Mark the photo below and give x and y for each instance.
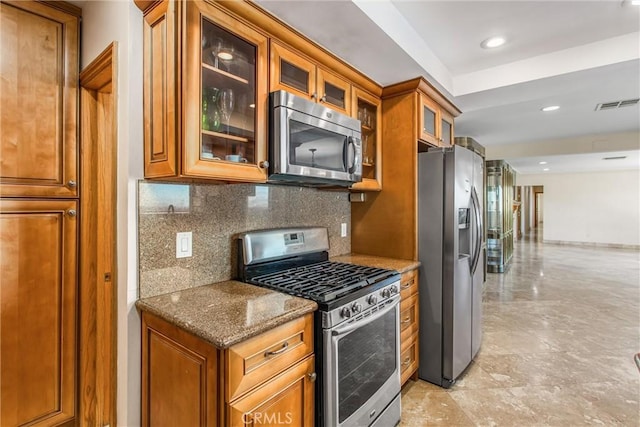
(478, 237)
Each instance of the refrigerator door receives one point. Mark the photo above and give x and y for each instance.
(458, 252)
(478, 272)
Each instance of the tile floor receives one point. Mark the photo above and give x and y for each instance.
(561, 327)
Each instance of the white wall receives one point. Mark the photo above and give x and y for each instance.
(102, 23)
(597, 207)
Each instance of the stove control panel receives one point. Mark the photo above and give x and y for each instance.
(360, 307)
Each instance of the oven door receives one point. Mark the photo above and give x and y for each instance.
(308, 146)
(361, 371)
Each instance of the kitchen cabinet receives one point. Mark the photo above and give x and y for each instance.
(292, 72)
(436, 124)
(386, 223)
(368, 109)
(409, 324)
(39, 190)
(263, 380)
(39, 102)
(499, 215)
(39, 349)
(205, 102)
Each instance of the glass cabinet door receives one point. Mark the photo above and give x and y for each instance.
(228, 96)
(428, 120)
(225, 100)
(446, 130)
(367, 109)
(334, 92)
(292, 73)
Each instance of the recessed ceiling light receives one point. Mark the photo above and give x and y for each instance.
(545, 169)
(225, 56)
(543, 163)
(550, 108)
(635, 2)
(492, 42)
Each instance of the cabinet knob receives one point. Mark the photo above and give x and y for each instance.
(324, 98)
(264, 164)
(312, 377)
(71, 184)
(72, 213)
(314, 95)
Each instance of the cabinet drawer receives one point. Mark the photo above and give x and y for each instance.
(408, 317)
(257, 359)
(408, 284)
(409, 360)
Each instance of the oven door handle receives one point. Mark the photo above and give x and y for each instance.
(391, 304)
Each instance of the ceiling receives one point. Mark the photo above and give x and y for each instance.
(574, 54)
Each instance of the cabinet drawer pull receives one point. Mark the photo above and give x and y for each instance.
(406, 320)
(314, 95)
(72, 213)
(282, 350)
(407, 285)
(406, 361)
(324, 98)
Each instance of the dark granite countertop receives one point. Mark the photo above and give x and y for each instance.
(226, 313)
(400, 265)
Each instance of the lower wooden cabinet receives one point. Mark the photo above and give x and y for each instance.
(409, 325)
(287, 399)
(265, 380)
(38, 300)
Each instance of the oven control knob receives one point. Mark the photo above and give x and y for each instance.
(345, 312)
(386, 293)
(356, 307)
(372, 300)
(394, 289)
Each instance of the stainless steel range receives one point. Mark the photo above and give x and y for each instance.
(357, 333)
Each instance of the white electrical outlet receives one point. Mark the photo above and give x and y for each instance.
(343, 229)
(184, 244)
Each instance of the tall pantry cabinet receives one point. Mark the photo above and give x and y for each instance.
(39, 197)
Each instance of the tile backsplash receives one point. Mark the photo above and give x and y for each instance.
(215, 214)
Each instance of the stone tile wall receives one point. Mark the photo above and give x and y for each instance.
(215, 214)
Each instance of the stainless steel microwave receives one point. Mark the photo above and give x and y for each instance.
(311, 144)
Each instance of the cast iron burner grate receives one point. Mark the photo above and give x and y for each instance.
(322, 282)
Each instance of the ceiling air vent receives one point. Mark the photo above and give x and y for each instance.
(617, 104)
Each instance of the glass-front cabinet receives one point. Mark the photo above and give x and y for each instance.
(367, 109)
(429, 119)
(225, 133)
(296, 74)
(205, 105)
(436, 124)
(499, 217)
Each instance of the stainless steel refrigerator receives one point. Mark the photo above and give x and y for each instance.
(451, 249)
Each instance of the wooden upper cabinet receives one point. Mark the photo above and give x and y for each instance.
(205, 94)
(368, 109)
(429, 120)
(294, 73)
(446, 129)
(436, 124)
(38, 341)
(38, 100)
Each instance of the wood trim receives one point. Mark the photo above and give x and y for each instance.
(146, 5)
(98, 293)
(422, 85)
(64, 6)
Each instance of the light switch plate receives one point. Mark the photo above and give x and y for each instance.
(184, 242)
(343, 229)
